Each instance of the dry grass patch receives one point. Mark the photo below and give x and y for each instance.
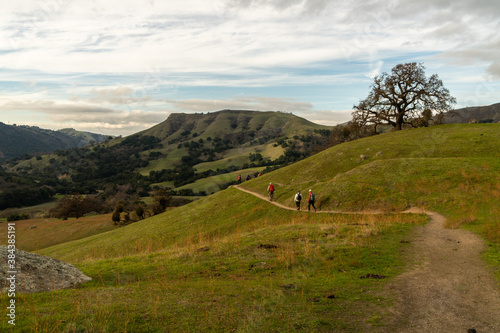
(36, 234)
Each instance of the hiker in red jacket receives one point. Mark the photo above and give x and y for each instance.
(312, 198)
(270, 189)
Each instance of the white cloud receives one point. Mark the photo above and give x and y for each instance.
(243, 103)
(327, 117)
(88, 116)
(228, 35)
(108, 58)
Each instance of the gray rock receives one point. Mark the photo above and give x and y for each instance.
(36, 273)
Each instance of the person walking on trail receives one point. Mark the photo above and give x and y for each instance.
(312, 198)
(239, 179)
(248, 177)
(297, 198)
(270, 190)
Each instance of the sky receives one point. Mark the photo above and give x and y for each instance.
(119, 67)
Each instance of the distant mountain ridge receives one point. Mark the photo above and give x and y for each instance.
(490, 113)
(18, 140)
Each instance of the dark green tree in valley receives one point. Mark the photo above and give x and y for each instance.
(161, 202)
(76, 206)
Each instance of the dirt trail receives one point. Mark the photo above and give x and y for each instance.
(446, 286)
(303, 206)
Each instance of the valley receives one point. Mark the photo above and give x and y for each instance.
(231, 261)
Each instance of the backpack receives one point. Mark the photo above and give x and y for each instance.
(313, 197)
(271, 188)
(299, 197)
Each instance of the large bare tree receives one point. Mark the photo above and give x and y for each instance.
(406, 96)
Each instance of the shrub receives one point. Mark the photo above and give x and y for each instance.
(76, 206)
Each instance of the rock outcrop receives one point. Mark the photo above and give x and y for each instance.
(36, 273)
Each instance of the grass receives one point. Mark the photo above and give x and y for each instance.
(451, 169)
(231, 262)
(250, 268)
(212, 184)
(50, 231)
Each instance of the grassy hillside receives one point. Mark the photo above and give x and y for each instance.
(41, 233)
(241, 133)
(227, 262)
(218, 124)
(16, 141)
(233, 262)
(454, 169)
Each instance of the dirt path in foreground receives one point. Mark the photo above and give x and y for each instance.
(446, 286)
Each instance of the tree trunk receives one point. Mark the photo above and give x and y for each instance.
(399, 121)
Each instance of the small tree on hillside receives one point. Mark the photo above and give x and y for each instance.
(116, 217)
(161, 202)
(76, 206)
(406, 96)
(139, 211)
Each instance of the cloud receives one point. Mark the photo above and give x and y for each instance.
(118, 95)
(243, 103)
(108, 58)
(51, 107)
(82, 115)
(487, 52)
(296, 7)
(327, 117)
(494, 69)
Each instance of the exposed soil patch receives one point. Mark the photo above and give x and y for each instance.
(447, 287)
(267, 246)
(373, 276)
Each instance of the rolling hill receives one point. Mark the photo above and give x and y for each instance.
(178, 152)
(233, 135)
(490, 113)
(233, 262)
(16, 141)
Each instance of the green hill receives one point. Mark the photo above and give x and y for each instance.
(230, 136)
(178, 152)
(16, 141)
(230, 261)
(233, 262)
(454, 169)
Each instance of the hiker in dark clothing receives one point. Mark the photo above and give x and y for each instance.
(297, 198)
(312, 198)
(248, 177)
